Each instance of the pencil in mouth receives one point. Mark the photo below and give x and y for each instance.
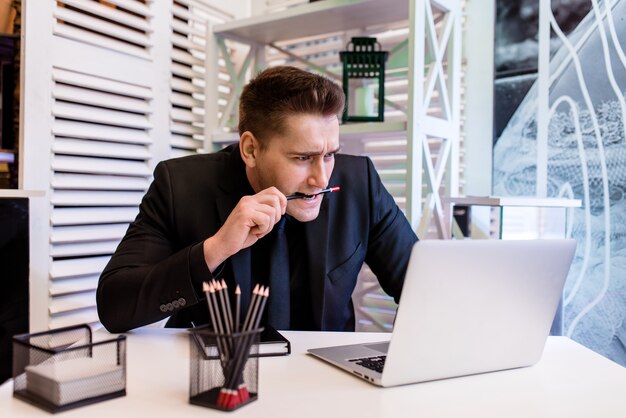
(298, 195)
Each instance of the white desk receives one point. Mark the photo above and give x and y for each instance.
(569, 381)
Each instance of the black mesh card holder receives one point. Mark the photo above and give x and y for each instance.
(64, 368)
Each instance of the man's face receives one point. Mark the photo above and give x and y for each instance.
(300, 160)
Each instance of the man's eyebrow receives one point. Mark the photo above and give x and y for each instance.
(314, 153)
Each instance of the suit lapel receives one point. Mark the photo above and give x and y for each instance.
(316, 233)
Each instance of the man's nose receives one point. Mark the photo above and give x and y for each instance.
(318, 176)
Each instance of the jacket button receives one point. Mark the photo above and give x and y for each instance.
(182, 301)
(163, 308)
(176, 304)
(170, 307)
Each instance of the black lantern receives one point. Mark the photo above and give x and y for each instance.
(363, 75)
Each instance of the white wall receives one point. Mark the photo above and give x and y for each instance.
(478, 44)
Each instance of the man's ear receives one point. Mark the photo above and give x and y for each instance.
(249, 148)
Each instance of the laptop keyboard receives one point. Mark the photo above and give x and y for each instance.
(373, 363)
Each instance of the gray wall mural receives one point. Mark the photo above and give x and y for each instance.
(585, 141)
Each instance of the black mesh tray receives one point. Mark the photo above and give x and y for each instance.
(63, 369)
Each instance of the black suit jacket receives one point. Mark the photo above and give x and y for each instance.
(158, 267)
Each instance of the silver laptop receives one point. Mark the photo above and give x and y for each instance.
(467, 307)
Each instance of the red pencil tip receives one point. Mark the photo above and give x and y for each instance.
(335, 189)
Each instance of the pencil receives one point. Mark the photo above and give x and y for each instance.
(266, 295)
(255, 293)
(220, 327)
(255, 309)
(298, 195)
(219, 290)
(206, 288)
(234, 339)
(229, 312)
(237, 307)
(242, 357)
(230, 390)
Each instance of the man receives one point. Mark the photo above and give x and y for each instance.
(214, 215)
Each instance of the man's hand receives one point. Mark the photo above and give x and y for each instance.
(252, 219)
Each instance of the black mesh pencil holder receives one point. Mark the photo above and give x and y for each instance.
(223, 368)
(63, 369)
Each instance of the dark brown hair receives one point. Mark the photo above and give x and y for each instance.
(282, 91)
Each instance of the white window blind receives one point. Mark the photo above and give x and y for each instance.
(189, 32)
(100, 162)
(120, 25)
(115, 86)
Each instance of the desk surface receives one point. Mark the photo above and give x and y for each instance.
(569, 381)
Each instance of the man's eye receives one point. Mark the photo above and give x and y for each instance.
(303, 158)
(329, 156)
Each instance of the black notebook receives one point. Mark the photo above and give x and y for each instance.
(273, 343)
